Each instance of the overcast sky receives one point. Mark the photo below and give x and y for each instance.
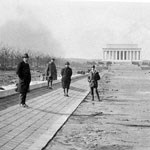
(74, 28)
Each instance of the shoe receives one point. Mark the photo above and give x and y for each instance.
(66, 95)
(50, 88)
(21, 105)
(92, 97)
(25, 105)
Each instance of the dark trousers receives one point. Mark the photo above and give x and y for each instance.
(50, 80)
(92, 92)
(66, 90)
(23, 98)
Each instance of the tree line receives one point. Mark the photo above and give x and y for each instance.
(10, 57)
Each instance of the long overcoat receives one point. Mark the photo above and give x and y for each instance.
(24, 74)
(51, 71)
(66, 74)
(93, 77)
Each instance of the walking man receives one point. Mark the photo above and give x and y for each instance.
(93, 82)
(51, 73)
(66, 74)
(23, 72)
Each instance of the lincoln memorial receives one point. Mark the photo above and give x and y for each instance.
(122, 52)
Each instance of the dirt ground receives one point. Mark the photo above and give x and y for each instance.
(120, 122)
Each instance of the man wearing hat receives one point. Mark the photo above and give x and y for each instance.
(66, 74)
(51, 73)
(93, 77)
(23, 72)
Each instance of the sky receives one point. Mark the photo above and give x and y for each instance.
(75, 28)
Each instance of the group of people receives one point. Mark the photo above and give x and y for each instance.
(24, 75)
(51, 74)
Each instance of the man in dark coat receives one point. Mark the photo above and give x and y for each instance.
(23, 72)
(51, 73)
(93, 77)
(66, 74)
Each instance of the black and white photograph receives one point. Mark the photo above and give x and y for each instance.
(74, 75)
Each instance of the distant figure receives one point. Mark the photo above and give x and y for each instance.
(66, 74)
(51, 73)
(23, 72)
(92, 79)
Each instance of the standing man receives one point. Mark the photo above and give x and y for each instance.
(23, 72)
(92, 79)
(51, 73)
(66, 74)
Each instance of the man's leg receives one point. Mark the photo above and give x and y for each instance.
(47, 83)
(51, 81)
(96, 90)
(92, 93)
(67, 92)
(23, 99)
(68, 86)
(64, 92)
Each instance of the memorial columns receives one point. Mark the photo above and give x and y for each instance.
(135, 55)
(127, 55)
(114, 58)
(139, 55)
(107, 55)
(111, 55)
(121, 54)
(131, 55)
(116, 55)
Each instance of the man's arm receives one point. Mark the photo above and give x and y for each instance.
(47, 70)
(62, 72)
(70, 72)
(19, 70)
(29, 75)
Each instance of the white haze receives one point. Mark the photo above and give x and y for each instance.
(74, 28)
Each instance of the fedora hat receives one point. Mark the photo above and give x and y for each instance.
(25, 55)
(93, 66)
(67, 63)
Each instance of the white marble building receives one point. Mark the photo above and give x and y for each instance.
(122, 52)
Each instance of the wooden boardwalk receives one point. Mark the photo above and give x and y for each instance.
(31, 128)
